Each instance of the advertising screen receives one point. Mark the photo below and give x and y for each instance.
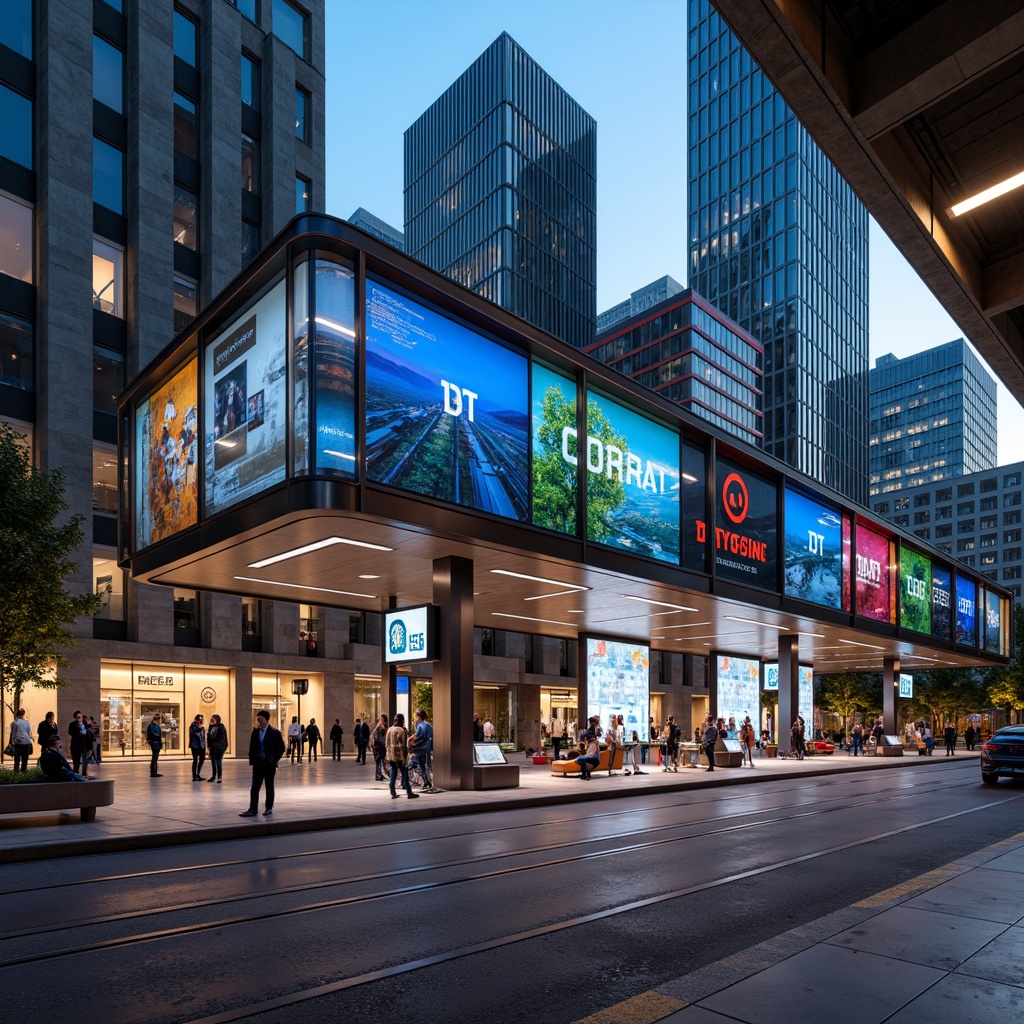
(739, 685)
(993, 622)
(813, 551)
(632, 481)
(966, 611)
(335, 368)
(555, 469)
(692, 511)
(942, 602)
(874, 597)
(409, 634)
(618, 683)
(915, 591)
(805, 697)
(906, 681)
(745, 526)
(245, 417)
(165, 458)
(446, 409)
(771, 675)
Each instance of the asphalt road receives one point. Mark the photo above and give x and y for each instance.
(542, 915)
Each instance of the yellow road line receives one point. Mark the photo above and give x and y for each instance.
(925, 881)
(642, 1009)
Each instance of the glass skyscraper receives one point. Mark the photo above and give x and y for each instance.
(779, 243)
(500, 191)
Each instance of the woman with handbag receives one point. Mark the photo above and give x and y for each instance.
(397, 751)
(20, 741)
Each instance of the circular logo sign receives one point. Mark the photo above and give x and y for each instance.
(735, 498)
(396, 637)
(208, 695)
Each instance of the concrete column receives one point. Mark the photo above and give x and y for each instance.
(243, 717)
(220, 618)
(339, 703)
(150, 613)
(890, 694)
(789, 689)
(280, 628)
(453, 674)
(333, 637)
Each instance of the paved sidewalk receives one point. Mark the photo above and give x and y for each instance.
(173, 810)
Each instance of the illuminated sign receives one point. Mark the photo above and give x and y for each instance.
(409, 634)
(993, 622)
(154, 680)
(632, 479)
(335, 368)
(738, 688)
(245, 406)
(745, 530)
(805, 687)
(874, 596)
(554, 475)
(915, 591)
(942, 602)
(446, 409)
(966, 611)
(813, 546)
(771, 675)
(618, 683)
(906, 685)
(166, 439)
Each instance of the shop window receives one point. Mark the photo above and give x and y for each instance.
(16, 238)
(303, 194)
(250, 82)
(186, 217)
(108, 583)
(291, 26)
(185, 38)
(107, 277)
(303, 102)
(252, 631)
(186, 302)
(107, 380)
(16, 117)
(309, 629)
(16, 27)
(16, 352)
(186, 126)
(186, 618)
(107, 176)
(107, 74)
(104, 478)
(250, 164)
(356, 628)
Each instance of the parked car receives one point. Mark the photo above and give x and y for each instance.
(1003, 754)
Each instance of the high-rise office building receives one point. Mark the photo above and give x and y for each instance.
(149, 150)
(933, 417)
(500, 191)
(779, 243)
(373, 225)
(640, 300)
(688, 352)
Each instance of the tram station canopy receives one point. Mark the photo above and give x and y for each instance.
(341, 418)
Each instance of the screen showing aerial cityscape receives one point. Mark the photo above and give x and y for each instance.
(813, 551)
(618, 683)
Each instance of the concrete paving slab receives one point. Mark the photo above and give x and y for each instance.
(957, 999)
(1012, 861)
(982, 894)
(696, 1015)
(1001, 960)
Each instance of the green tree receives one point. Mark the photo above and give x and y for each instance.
(35, 560)
(845, 693)
(605, 494)
(946, 693)
(1005, 687)
(554, 479)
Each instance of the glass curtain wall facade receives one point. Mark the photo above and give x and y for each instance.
(933, 416)
(779, 243)
(500, 192)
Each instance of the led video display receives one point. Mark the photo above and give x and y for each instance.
(966, 611)
(166, 436)
(245, 411)
(915, 591)
(813, 550)
(942, 602)
(874, 595)
(618, 683)
(335, 368)
(745, 526)
(632, 481)
(993, 622)
(446, 409)
(739, 685)
(555, 469)
(805, 698)
(692, 501)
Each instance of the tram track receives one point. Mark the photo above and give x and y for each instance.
(628, 849)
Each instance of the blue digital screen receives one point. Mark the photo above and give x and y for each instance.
(814, 551)
(966, 611)
(993, 622)
(942, 602)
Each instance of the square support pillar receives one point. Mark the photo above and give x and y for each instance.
(789, 689)
(890, 692)
(453, 674)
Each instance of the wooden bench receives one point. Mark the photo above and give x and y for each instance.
(23, 797)
(570, 767)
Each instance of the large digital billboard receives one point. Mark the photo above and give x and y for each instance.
(739, 686)
(915, 591)
(745, 526)
(335, 368)
(942, 602)
(245, 417)
(805, 689)
(446, 409)
(813, 551)
(619, 683)
(993, 622)
(555, 469)
(692, 511)
(874, 575)
(966, 611)
(632, 481)
(166, 435)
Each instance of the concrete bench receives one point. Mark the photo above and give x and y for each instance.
(23, 797)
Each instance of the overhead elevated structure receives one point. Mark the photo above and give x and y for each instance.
(920, 105)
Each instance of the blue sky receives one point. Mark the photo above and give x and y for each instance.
(388, 60)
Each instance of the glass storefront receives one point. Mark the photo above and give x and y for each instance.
(367, 699)
(273, 692)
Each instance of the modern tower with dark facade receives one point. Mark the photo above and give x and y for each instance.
(779, 243)
(500, 191)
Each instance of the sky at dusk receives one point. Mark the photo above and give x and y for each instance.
(388, 60)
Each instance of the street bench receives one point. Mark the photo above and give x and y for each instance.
(23, 797)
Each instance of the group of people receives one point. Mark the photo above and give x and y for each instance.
(302, 736)
(83, 741)
(589, 756)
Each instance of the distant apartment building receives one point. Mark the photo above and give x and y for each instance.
(372, 225)
(638, 301)
(690, 353)
(933, 417)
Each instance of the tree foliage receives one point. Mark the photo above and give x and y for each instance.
(943, 694)
(1005, 688)
(846, 693)
(36, 551)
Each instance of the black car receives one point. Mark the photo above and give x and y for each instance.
(1003, 754)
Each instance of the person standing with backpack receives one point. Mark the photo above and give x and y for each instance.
(709, 741)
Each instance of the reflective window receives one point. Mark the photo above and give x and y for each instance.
(15, 238)
(302, 112)
(250, 240)
(104, 478)
(186, 217)
(107, 379)
(118, 5)
(16, 26)
(291, 26)
(250, 164)
(250, 8)
(303, 195)
(107, 74)
(186, 138)
(184, 38)
(16, 352)
(109, 581)
(16, 117)
(107, 277)
(250, 82)
(186, 302)
(107, 176)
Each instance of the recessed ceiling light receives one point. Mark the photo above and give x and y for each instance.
(526, 618)
(988, 194)
(857, 643)
(368, 576)
(319, 545)
(558, 593)
(298, 586)
(538, 579)
(756, 622)
(659, 604)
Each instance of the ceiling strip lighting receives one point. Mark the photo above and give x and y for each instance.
(756, 622)
(299, 586)
(526, 618)
(988, 194)
(559, 593)
(660, 604)
(857, 643)
(319, 545)
(538, 579)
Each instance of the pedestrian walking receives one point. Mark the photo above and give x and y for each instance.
(357, 736)
(709, 739)
(856, 740)
(747, 741)
(20, 737)
(336, 740)
(295, 740)
(380, 748)
(197, 744)
(397, 752)
(217, 741)
(79, 743)
(421, 745)
(312, 739)
(155, 739)
(266, 748)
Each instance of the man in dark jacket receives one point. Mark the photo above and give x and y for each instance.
(155, 739)
(55, 765)
(710, 738)
(266, 748)
(336, 734)
(312, 739)
(361, 734)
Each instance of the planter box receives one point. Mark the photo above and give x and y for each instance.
(23, 797)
